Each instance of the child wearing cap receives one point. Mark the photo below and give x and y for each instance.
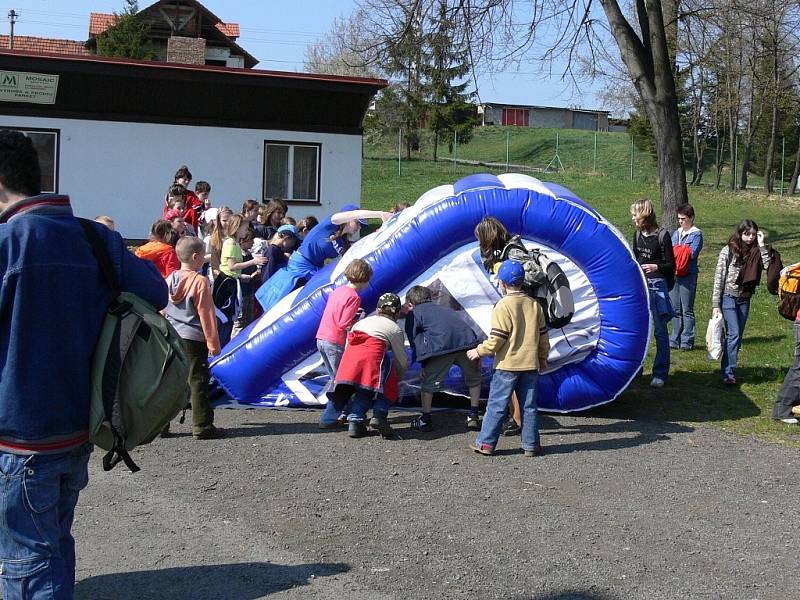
(328, 240)
(518, 326)
(282, 244)
(439, 338)
(365, 374)
(341, 311)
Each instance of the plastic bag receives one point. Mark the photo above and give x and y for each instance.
(715, 337)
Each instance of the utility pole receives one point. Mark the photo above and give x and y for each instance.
(12, 18)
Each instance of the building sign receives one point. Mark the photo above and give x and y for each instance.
(37, 88)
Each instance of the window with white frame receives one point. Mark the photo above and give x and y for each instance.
(291, 171)
(46, 143)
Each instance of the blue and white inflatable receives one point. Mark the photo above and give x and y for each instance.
(274, 362)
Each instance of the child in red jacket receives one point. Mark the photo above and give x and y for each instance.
(158, 251)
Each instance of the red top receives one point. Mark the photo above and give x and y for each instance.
(194, 207)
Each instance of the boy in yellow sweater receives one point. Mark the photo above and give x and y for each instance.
(518, 327)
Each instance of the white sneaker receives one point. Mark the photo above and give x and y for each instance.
(656, 382)
(790, 421)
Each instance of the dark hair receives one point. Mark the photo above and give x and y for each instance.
(273, 206)
(202, 187)
(176, 189)
(492, 238)
(289, 221)
(308, 222)
(160, 229)
(19, 164)
(686, 210)
(736, 244)
(418, 294)
(183, 171)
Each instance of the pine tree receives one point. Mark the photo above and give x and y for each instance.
(450, 112)
(128, 37)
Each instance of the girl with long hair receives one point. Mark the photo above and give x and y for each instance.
(738, 273)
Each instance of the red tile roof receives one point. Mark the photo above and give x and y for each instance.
(99, 22)
(230, 30)
(26, 43)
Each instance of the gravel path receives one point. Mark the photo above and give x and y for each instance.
(615, 510)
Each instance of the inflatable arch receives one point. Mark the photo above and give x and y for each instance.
(592, 360)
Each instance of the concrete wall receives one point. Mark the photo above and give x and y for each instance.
(123, 169)
(550, 117)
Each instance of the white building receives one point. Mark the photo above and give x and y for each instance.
(112, 132)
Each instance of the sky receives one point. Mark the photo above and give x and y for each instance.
(277, 32)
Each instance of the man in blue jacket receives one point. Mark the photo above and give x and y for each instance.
(53, 300)
(440, 338)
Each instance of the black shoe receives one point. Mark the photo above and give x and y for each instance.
(421, 425)
(511, 428)
(382, 426)
(473, 424)
(357, 429)
(210, 433)
(537, 451)
(166, 433)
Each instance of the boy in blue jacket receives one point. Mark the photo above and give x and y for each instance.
(439, 338)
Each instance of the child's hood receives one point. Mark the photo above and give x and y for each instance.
(180, 285)
(152, 250)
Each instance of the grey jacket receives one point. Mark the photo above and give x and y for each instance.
(726, 274)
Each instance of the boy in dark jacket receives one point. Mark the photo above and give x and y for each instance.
(438, 339)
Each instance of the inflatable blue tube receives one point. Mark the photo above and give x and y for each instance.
(593, 359)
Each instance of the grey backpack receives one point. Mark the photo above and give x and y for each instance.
(545, 282)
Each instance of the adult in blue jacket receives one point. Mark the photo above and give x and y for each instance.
(683, 292)
(327, 240)
(53, 300)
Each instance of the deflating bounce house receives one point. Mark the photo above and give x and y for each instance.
(274, 362)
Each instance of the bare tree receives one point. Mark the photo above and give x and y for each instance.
(550, 31)
(343, 50)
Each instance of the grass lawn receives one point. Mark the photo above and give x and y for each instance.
(694, 393)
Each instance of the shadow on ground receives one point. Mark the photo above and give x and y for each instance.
(697, 397)
(243, 581)
(612, 435)
(573, 595)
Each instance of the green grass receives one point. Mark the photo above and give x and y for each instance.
(536, 149)
(694, 393)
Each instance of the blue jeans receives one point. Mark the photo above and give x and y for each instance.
(734, 311)
(683, 325)
(37, 550)
(331, 357)
(503, 384)
(363, 401)
(662, 313)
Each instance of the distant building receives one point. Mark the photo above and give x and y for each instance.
(620, 125)
(181, 31)
(184, 31)
(521, 115)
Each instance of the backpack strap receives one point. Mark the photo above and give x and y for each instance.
(118, 453)
(102, 256)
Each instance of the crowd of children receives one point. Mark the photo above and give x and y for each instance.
(224, 268)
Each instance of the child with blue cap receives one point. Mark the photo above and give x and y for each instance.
(518, 327)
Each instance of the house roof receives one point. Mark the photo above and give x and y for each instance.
(26, 43)
(99, 22)
(113, 89)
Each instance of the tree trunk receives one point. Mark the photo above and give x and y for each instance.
(435, 146)
(769, 179)
(651, 69)
(795, 171)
